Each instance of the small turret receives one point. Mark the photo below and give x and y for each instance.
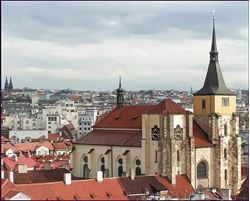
(120, 94)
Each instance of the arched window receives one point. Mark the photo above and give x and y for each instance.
(137, 171)
(225, 153)
(138, 167)
(102, 167)
(120, 171)
(85, 167)
(201, 170)
(178, 155)
(120, 167)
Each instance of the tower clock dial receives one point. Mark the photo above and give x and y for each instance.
(155, 132)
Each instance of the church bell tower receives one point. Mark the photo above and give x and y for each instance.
(215, 111)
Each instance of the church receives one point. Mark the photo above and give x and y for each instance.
(167, 140)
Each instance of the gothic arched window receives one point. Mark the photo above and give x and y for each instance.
(85, 167)
(201, 170)
(137, 171)
(120, 167)
(138, 167)
(102, 167)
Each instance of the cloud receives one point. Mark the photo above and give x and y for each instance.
(86, 45)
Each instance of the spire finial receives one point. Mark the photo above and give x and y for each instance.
(120, 82)
(213, 18)
(214, 52)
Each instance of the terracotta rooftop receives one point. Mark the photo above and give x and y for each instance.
(109, 189)
(10, 194)
(61, 145)
(182, 188)
(22, 160)
(129, 116)
(32, 146)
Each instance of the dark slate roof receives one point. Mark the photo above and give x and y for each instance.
(131, 138)
(214, 82)
(41, 176)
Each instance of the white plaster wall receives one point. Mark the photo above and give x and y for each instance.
(95, 155)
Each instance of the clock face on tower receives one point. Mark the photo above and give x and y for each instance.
(155, 132)
(178, 132)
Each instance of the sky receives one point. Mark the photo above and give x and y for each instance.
(152, 45)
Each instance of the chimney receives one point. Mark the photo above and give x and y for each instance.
(11, 176)
(132, 174)
(15, 156)
(67, 178)
(99, 176)
(226, 193)
(2, 174)
(21, 168)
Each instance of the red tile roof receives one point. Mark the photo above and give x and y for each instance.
(83, 190)
(53, 136)
(22, 160)
(167, 106)
(32, 146)
(110, 188)
(10, 194)
(124, 117)
(131, 116)
(182, 188)
(200, 137)
(61, 145)
(112, 137)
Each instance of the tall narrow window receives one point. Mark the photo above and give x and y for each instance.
(85, 167)
(203, 104)
(225, 153)
(178, 155)
(225, 102)
(201, 170)
(225, 174)
(138, 168)
(156, 156)
(225, 129)
(120, 167)
(103, 166)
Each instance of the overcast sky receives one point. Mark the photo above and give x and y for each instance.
(152, 45)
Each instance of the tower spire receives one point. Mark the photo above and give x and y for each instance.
(214, 82)
(10, 85)
(6, 85)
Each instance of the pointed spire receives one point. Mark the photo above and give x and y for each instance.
(214, 83)
(6, 85)
(10, 85)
